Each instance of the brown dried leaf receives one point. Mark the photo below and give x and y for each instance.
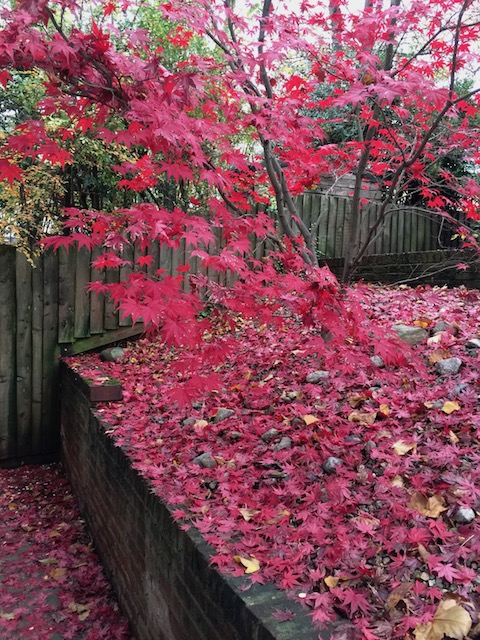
(356, 400)
(397, 481)
(437, 355)
(450, 620)
(363, 417)
(248, 514)
(398, 595)
(58, 573)
(310, 419)
(431, 507)
(401, 447)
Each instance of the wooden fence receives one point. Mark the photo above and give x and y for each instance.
(45, 312)
(404, 230)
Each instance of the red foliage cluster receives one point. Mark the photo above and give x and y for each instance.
(52, 583)
(343, 538)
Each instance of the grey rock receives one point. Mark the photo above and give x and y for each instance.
(440, 326)
(473, 353)
(351, 439)
(464, 515)
(197, 405)
(115, 354)
(377, 361)
(448, 367)
(330, 465)
(270, 435)
(222, 414)
(205, 460)
(459, 389)
(473, 343)
(370, 445)
(317, 376)
(188, 421)
(411, 335)
(285, 443)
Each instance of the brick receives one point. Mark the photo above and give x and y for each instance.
(161, 574)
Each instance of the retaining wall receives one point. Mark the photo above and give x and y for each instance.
(162, 575)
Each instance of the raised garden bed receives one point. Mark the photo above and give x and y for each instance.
(162, 574)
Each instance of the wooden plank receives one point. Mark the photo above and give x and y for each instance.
(50, 376)
(127, 254)
(37, 353)
(82, 296)
(110, 318)
(330, 225)
(95, 342)
(347, 227)
(407, 248)
(339, 228)
(24, 303)
(401, 231)
(97, 300)
(8, 395)
(66, 294)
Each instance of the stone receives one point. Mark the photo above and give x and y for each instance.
(439, 327)
(270, 435)
(317, 376)
(115, 354)
(222, 414)
(377, 361)
(411, 335)
(464, 515)
(473, 343)
(448, 367)
(459, 389)
(330, 465)
(188, 421)
(285, 443)
(205, 460)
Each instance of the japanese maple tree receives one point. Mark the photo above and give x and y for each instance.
(236, 120)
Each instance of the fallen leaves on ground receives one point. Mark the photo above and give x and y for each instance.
(347, 478)
(52, 585)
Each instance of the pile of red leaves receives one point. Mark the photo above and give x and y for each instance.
(52, 585)
(375, 536)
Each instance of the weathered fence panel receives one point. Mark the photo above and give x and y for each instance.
(404, 230)
(46, 310)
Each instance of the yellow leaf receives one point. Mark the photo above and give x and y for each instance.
(7, 616)
(251, 564)
(450, 620)
(331, 581)
(401, 447)
(365, 418)
(450, 406)
(309, 419)
(384, 409)
(431, 507)
(422, 322)
(397, 481)
(200, 424)
(58, 572)
(453, 437)
(248, 514)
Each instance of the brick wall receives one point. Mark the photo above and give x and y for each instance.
(161, 574)
(422, 267)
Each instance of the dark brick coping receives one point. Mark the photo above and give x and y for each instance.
(162, 574)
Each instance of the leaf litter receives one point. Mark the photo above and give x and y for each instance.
(343, 537)
(52, 584)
